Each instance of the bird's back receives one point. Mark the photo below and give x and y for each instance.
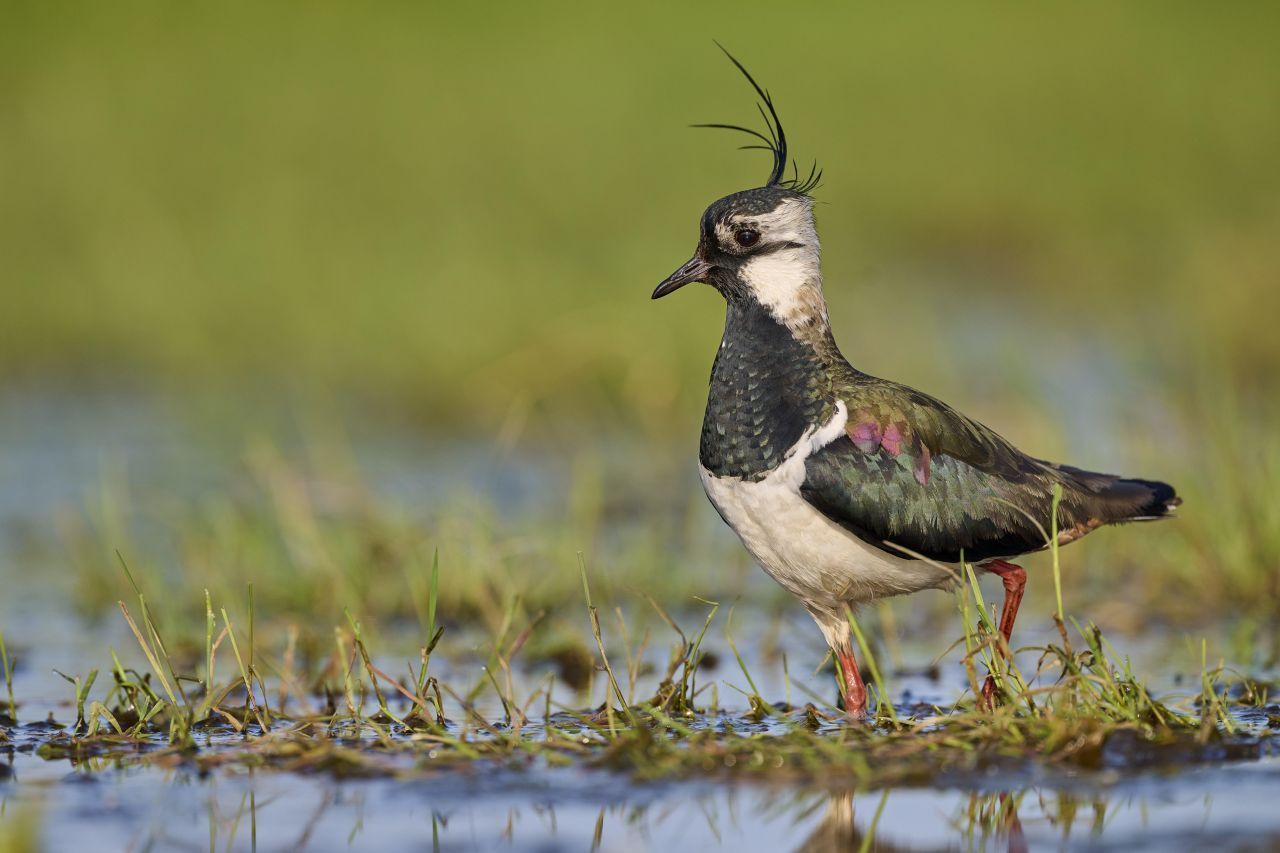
(912, 471)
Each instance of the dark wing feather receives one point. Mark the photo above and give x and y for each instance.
(913, 472)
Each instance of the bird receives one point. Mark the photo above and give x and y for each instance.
(844, 487)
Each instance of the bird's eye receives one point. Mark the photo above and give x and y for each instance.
(746, 237)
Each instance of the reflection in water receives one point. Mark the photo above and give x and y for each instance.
(839, 830)
(984, 817)
(574, 808)
(995, 816)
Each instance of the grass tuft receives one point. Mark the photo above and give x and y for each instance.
(1078, 708)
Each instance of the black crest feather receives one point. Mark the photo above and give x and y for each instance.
(774, 142)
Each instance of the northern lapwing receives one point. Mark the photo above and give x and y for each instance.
(844, 487)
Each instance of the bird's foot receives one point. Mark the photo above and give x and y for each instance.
(855, 708)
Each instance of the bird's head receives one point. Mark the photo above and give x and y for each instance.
(761, 244)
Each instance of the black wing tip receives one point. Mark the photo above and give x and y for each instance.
(1161, 499)
(776, 140)
(1163, 495)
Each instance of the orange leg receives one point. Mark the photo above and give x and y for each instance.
(1015, 582)
(855, 692)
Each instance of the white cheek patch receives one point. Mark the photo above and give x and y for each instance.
(785, 279)
(788, 281)
(777, 278)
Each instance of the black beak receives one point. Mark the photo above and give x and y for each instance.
(695, 269)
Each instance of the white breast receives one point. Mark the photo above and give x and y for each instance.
(808, 554)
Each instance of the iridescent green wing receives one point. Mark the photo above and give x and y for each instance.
(912, 471)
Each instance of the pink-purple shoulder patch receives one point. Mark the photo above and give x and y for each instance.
(892, 439)
(866, 436)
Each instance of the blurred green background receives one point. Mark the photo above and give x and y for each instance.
(1063, 220)
(464, 209)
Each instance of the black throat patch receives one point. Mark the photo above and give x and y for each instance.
(767, 389)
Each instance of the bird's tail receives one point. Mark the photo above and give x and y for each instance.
(1114, 500)
(1142, 500)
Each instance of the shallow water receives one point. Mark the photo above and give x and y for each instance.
(565, 808)
(52, 453)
